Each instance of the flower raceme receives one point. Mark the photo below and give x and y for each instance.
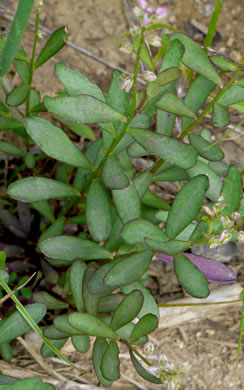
(147, 15)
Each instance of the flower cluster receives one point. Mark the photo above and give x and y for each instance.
(147, 15)
(165, 370)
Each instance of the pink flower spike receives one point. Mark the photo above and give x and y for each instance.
(142, 3)
(161, 11)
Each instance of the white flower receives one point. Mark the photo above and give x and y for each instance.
(149, 348)
(225, 236)
(235, 215)
(149, 76)
(135, 31)
(154, 40)
(126, 48)
(226, 222)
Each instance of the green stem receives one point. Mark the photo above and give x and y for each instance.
(136, 352)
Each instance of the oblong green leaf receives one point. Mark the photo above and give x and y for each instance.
(55, 43)
(81, 343)
(127, 309)
(171, 247)
(69, 248)
(165, 122)
(98, 211)
(62, 324)
(142, 371)
(76, 84)
(135, 231)
(29, 160)
(169, 149)
(205, 149)
(53, 333)
(98, 351)
(90, 301)
(49, 301)
(114, 240)
(114, 176)
(44, 208)
(144, 326)
(142, 182)
(15, 35)
(232, 192)
(55, 143)
(110, 303)
(34, 189)
(56, 229)
(47, 352)
(82, 109)
(168, 76)
(128, 270)
(9, 148)
(127, 202)
(220, 117)
(135, 150)
(97, 286)
(8, 329)
(232, 95)
(77, 270)
(186, 205)
(194, 281)
(171, 103)
(223, 64)
(215, 183)
(149, 303)
(110, 364)
(171, 174)
(196, 59)
(153, 200)
(91, 325)
(18, 95)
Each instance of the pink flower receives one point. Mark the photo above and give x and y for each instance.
(142, 3)
(149, 76)
(161, 11)
(127, 82)
(146, 20)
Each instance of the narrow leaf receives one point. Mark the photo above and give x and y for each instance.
(91, 325)
(195, 283)
(9, 148)
(18, 95)
(34, 189)
(82, 109)
(49, 301)
(98, 212)
(77, 270)
(232, 192)
(165, 147)
(213, 24)
(186, 205)
(55, 43)
(55, 143)
(143, 372)
(127, 310)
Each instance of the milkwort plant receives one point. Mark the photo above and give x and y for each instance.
(101, 270)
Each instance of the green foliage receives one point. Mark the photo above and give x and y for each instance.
(93, 276)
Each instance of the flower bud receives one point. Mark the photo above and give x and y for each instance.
(149, 76)
(225, 236)
(235, 215)
(126, 48)
(127, 82)
(154, 40)
(156, 371)
(226, 222)
(135, 31)
(240, 236)
(149, 348)
(214, 242)
(142, 3)
(138, 12)
(184, 367)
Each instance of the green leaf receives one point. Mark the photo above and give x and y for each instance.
(135, 150)
(69, 248)
(144, 326)
(149, 304)
(186, 205)
(165, 122)
(114, 240)
(80, 129)
(220, 117)
(91, 325)
(34, 189)
(90, 301)
(98, 211)
(205, 149)
(215, 184)
(135, 231)
(56, 229)
(231, 191)
(142, 371)
(27, 384)
(213, 24)
(109, 303)
(76, 84)
(153, 200)
(196, 96)
(22, 67)
(44, 208)
(114, 176)
(196, 59)
(171, 103)
(110, 364)
(82, 109)
(117, 98)
(10, 124)
(128, 270)
(194, 282)
(53, 333)
(99, 349)
(171, 247)
(97, 286)
(77, 270)
(8, 329)
(173, 173)
(18, 95)
(15, 35)
(141, 182)
(6, 147)
(127, 309)
(127, 203)
(168, 76)
(219, 167)
(47, 352)
(55, 43)
(29, 160)
(167, 148)
(232, 95)
(62, 324)
(49, 301)
(6, 352)
(55, 143)
(81, 343)
(223, 64)
(145, 55)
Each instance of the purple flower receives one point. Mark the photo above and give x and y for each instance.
(161, 11)
(142, 3)
(214, 271)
